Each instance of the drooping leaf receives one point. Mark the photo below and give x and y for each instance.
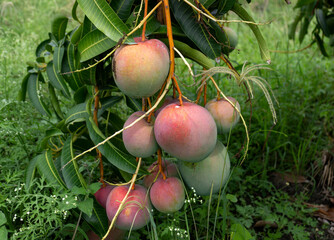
(56, 79)
(76, 34)
(23, 91)
(41, 47)
(55, 102)
(30, 172)
(71, 174)
(132, 103)
(46, 166)
(105, 19)
(225, 6)
(194, 54)
(34, 95)
(88, 76)
(98, 220)
(293, 26)
(58, 27)
(80, 94)
(196, 32)
(77, 113)
(58, 55)
(304, 27)
(74, 12)
(108, 102)
(116, 157)
(69, 65)
(122, 8)
(50, 133)
(321, 19)
(207, 3)
(243, 14)
(321, 45)
(93, 44)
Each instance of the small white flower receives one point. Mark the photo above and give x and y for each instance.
(67, 202)
(28, 213)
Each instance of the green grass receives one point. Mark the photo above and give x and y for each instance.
(302, 82)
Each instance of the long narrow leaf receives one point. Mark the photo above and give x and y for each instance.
(116, 157)
(47, 167)
(122, 8)
(69, 65)
(197, 33)
(56, 79)
(34, 95)
(58, 27)
(104, 18)
(71, 174)
(93, 44)
(30, 172)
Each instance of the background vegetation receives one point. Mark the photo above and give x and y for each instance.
(300, 144)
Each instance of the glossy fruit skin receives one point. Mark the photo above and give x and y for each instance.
(135, 213)
(102, 194)
(167, 196)
(211, 170)
(187, 132)
(224, 114)
(169, 169)
(232, 39)
(140, 69)
(139, 139)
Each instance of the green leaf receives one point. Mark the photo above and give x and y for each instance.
(108, 102)
(243, 14)
(76, 34)
(74, 12)
(321, 45)
(70, 64)
(3, 218)
(23, 91)
(207, 3)
(55, 102)
(302, 3)
(56, 79)
(71, 174)
(46, 166)
(105, 19)
(225, 6)
(194, 54)
(30, 172)
(53, 132)
(80, 94)
(41, 47)
(77, 113)
(86, 206)
(58, 55)
(132, 103)
(196, 32)
(116, 157)
(33, 93)
(321, 19)
(239, 232)
(232, 198)
(93, 44)
(58, 27)
(98, 220)
(3, 233)
(122, 8)
(94, 187)
(79, 190)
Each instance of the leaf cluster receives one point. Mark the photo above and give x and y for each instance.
(323, 11)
